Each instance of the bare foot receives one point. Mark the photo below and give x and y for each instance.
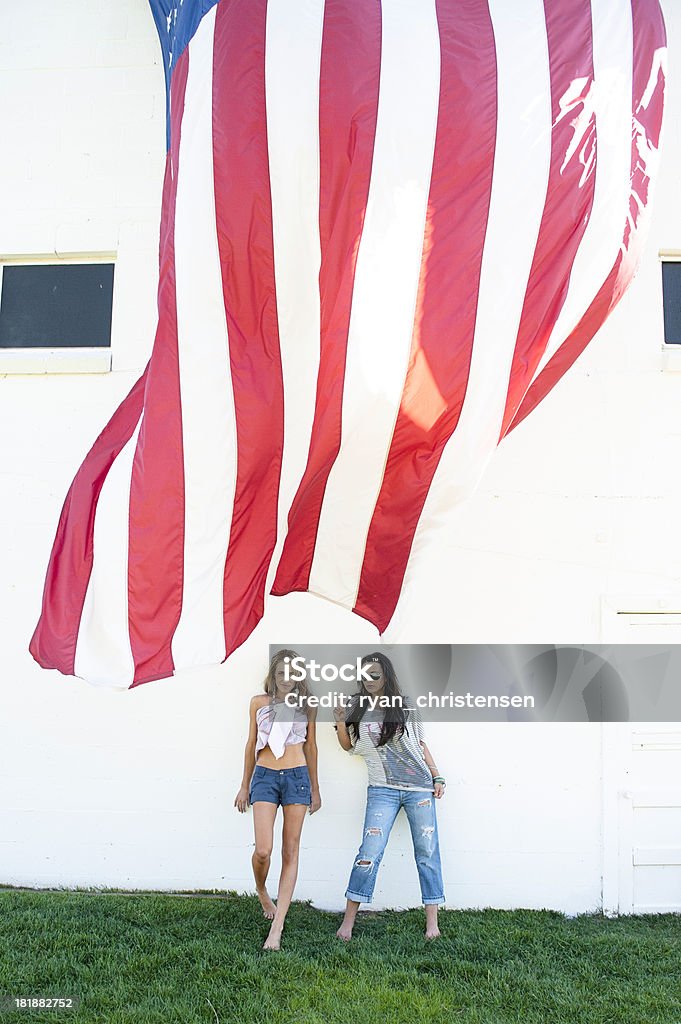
(344, 932)
(273, 940)
(432, 932)
(268, 907)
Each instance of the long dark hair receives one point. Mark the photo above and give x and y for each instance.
(394, 720)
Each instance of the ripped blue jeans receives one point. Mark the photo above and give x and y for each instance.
(383, 806)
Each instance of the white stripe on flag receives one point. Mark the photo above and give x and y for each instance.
(103, 651)
(519, 182)
(206, 397)
(612, 54)
(384, 299)
(292, 66)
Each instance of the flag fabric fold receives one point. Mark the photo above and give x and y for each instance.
(388, 228)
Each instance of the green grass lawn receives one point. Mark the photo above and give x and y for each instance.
(149, 957)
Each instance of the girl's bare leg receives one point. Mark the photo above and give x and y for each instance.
(294, 816)
(264, 814)
(345, 930)
(432, 930)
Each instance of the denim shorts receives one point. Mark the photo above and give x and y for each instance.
(280, 786)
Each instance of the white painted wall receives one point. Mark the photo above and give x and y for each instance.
(577, 514)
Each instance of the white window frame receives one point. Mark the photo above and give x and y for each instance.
(56, 360)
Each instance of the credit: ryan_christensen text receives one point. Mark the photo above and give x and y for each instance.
(430, 700)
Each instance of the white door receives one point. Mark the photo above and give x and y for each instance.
(641, 818)
(641, 781)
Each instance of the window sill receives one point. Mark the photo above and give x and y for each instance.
(55, 360)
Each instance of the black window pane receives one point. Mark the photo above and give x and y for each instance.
(671, 300)
(56, 306)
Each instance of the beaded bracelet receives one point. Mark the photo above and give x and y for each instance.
(439, 778)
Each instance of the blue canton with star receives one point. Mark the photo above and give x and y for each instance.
(176, 22)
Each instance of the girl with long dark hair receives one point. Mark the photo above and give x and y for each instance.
(402, 774)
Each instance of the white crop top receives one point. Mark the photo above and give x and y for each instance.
(279, 726)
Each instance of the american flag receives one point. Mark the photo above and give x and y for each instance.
(388, 228)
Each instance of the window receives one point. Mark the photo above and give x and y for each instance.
(55, 316)
(671, 301)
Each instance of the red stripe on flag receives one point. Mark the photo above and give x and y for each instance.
(648, 87)
(570, 189)
(348, 106)
(444, 324)
(53, 644)
(156, 529)
(245, 239)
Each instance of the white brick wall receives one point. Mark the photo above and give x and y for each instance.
(582, 501)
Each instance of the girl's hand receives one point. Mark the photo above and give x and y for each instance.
(438, 790)
(339, 713)
(241, 799)
(315, 801)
